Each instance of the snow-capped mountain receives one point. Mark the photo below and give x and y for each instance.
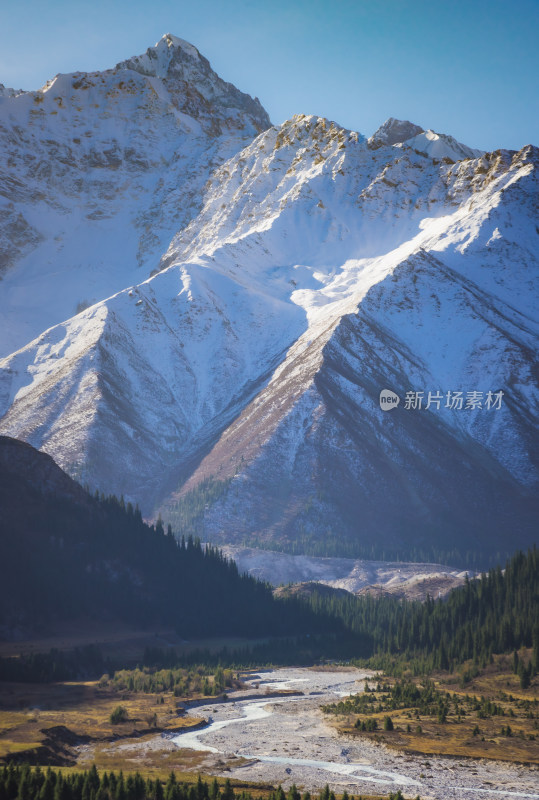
(319, 269)
(433, 286)
(97, 173)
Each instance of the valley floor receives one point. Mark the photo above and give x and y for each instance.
(258, 736)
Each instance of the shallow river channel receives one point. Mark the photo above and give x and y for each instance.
(287, 740)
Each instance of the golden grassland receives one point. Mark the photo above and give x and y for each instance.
(456, 737)
(42, 723)
(68, 724)
(28, 712)
(30, 715)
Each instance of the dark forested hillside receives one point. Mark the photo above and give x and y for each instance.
(69, 556)
(495, 614)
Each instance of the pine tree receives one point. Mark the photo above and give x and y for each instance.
(293, 793)
(228, 791)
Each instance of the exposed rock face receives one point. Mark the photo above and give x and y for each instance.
(393, 131)
(306, 574)
(196, 89)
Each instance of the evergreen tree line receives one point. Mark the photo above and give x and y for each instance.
(56, 665)
(497, 613)
(334, 546)
(284, 651)
(339, 644)
(26, 783)
(182, 682)
(66, 560)
(426, 700)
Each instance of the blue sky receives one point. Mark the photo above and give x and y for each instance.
(465, 68)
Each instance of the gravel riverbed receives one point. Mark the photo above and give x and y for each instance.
(288, 739)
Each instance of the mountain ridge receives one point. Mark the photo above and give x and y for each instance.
(316, 270)
(98, 171)
(69, 558)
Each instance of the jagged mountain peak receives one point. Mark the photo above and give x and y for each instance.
(394, 131)
(6, 91)
(308, 127)
(397, 132)
(169, 55)
(188, 74)
(116, 158)
(179, 64)
(173, 42)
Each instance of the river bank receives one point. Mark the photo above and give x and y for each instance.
(288, 740)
